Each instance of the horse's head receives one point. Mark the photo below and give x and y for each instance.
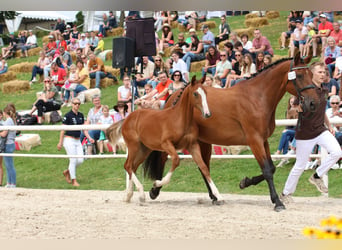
(301, 78)
(199, 96)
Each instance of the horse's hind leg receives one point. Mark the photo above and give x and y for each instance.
(196, 155)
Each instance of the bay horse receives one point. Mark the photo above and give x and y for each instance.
(245, 115)
(168, 130)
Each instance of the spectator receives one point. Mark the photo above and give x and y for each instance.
(58, 75)
(8, 52)
(96, 69)
(336, 33)
(105, 119)
(177, 82)
(332, 86)
(245, 42)
(83, 82)
(166, 38)
(158, 17)
(267, 60)
(22, 37)
(234, 38)
(3, 65)
(51, 46)
(10, 120)
(82, 43)
(330, 54)
(31, 42)
(62, 42)
(144, 102)
(49, 100)
(143, 77)
(125, 92)
(191, 18)
(75, 33)
(192, 32)
(223, 67)
(92, 44)
(208, 38)
(308, 43)
(299, 37)
(259, 63)
(73, 45)
(291, 25)
(70, 139)
(211, 59)
(60, 25)
(112, 20)
(334, 112)
(66, 34)
(70, 84)
(121, 111)
(43, 61)
(159, 65)
(65, 59)
(260, 44)
(229, 48)
(223, 33)
(247, 70)
(170, 17)
(239, 47)
(93, 117)
(179, 64)
(181, 45)
(324, 29)
(100, 45)
(104, 26)
(133, 14)
(194, 53)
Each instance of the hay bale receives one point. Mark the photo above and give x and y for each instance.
(211, 25)
(115, 32)
(30, 52)
(251, 15)
(256, 22)
(24, 67)
(8, 76)
(104, 83)
(89, 93)
(272, 14)
(113, 71)
(181, 28)
(15, 86)
(168, 51)
(45, 39)
(174, 24)
(249, 31)
(221, 44)
(109, 55)
(197, 66)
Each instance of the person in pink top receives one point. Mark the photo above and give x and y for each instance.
(336, 33)
(260, 44)
(324, 29)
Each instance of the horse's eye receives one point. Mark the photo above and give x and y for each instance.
(195, 94)
(300, 76)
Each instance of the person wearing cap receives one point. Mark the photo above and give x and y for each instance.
(166, 38)
(337, 34)
(208, 38)
(308, 43)
(100, 45)
(31, 42)
(66, 34)
(192, 31)
(324, 29)
(8, 52)
(299, 37)
(82, 43)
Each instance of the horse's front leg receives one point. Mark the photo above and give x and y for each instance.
(139, 187)
(196, 155)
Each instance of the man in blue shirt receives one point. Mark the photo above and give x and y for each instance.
(208, 38)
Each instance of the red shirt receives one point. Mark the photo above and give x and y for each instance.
(160, 87)
(60, 75)
(336, 35)
(324, 28)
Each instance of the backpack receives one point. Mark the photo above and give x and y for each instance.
(55, 117)
(26, 119)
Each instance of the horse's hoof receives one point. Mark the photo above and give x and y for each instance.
(142, 199)
(279, 208)
(242, 184)
(218, 203)
(154, 193)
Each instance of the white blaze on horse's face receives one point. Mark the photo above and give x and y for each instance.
(205, 107)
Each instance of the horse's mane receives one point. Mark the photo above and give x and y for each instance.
(179, 95)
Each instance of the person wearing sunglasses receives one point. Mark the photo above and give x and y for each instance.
(70, 139)
(223, 67)
(334, 112)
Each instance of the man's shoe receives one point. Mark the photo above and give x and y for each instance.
(286, 199)
(318, 182)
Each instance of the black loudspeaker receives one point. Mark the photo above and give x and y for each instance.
(123, 52)
(142, 31)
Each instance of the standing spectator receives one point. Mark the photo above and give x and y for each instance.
(260, 44)
(223, 67)
(299, 37)
(223, 33)
(208, 38)
(100, 45)
(70, 139)
(195, 52)
(104, 119)
(179, 64)
(336, 33)
(60, 25)
(96, 69)
(330, 54)
(8, 52)
(43, 61)
(324, 29)
(211, 59)
(49, 100)
(125, 92)
(93, 117)
(31, 42)
(3, 65)
(310, 132)
(10, 120)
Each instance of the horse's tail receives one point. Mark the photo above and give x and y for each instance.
(113, 132)
(154, 165)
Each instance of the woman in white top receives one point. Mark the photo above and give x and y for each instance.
(247, 70)
(245, 42)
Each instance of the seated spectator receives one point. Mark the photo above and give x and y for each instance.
(224, 31)
(170, 17)
(209, 81)
(234, 38)
(92, 44)
(181, 45)
(96, 69)
(324, 29)
(291, 25)
(62, 42)
(247, 70)
(190, 20)
(194, 53)
(308, 43)
(159, 65)
(93, 117)
(143, 77)
(229, 48)
(83, 82)
(82, 43)
(260, 44)
(144, 102)
(60, 25)
(211, 59)
(177, 82)
(332, 85)
(104, 26)
(50, 47)
(238, 47)
(299, 37)
(159, 17)
(66, 34)
(192, 32)
(334, 112)
(336, 33)
(330, 54)
(64, 58)
(79, 54)
(125, 92)
(57, 75)
(75, 33)
(133, 14)
(43, 61)
(70, 85)
(260, 61)
(3, 65)
(245, 42)
(104, 119)
(121, 111)
(100, 45)
(112, 20)
(73, 45)
(49, 100)
(208, 38)
(31, 42)
(8, 52)
(267, 60)
(167, 39)
(223, 67)
(22, 37)
(179, 64)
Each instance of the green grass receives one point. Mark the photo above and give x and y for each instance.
(108, 174)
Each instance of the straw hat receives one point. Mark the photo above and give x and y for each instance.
(120, 104)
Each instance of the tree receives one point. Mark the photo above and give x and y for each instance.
(8, 15)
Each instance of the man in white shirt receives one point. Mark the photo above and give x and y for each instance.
(299, 36)
(179, 64)
(31, 42)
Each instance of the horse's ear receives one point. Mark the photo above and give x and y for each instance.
(309, 57)
(193, 80)
(297, 59)
(203, 78)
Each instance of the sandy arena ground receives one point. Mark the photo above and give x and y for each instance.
(78, 214)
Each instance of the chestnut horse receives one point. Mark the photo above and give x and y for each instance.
(165, 130)
(245, 115)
